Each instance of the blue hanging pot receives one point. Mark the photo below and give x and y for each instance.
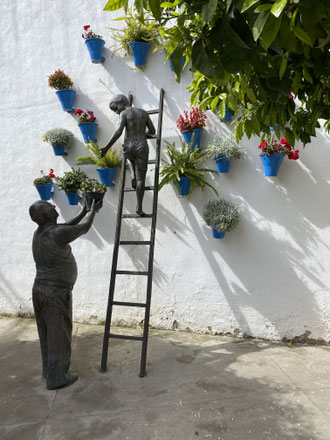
(66, 98)
(45, 191)
(59, 150)
(88, 130)
(196, 143)
(140, 51)
(95, 48)
(184, 185)
(222, 164)
(107, 175)
(73, 198)
(218, 234)
(182, 61)
(272, 163)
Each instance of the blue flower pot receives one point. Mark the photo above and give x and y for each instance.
(140, 51)
(223, 165)
(184, 186)
(88, 130)
(59, 150)
(272, 163)
(182, 61)
(107, 175)
(95, 48)
(45, 191)
(217, 234)
(66, 98)
(73, 198)
(196, 143)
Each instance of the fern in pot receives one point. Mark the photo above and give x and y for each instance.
(60, 139)
(223, 150)
(222, 216)
(181, 168)
(106, 166)
(93, 190)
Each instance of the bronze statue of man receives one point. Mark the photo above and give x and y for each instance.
(135, 148)
(51, 294)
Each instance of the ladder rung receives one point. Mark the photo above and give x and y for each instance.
(131, 272)
(128, 304)
(153, 112)
(152, 161)
(136, 216)
(147, 188)
(134, 242)
(132, 338)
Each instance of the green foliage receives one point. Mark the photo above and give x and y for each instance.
(226, 147)
(184, 162)
(71, 181)
(93, 185)
(221, 215)
(58, 136)
(42, 180)
(60, 80)
(251, 55)
(110, 160)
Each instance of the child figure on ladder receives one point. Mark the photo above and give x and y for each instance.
(135, 148)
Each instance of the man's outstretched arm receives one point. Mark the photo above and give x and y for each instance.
(116, 135)
(78, 218)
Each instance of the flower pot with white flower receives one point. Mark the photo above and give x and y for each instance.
(87, 124)
(71, 183)
(273, 153)
(45, 185)
(191, 126)
(95, 45)
(223, 150)
(60, 139)
(222, 216)
(62, 83)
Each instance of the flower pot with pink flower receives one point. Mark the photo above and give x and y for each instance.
(62, 83)
(87, 124)
(191, 126)
(44, 184)
(273, 153)
(95, 45)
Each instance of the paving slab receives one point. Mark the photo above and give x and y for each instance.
(197, 386)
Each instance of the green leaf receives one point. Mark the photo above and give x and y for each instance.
(232, 34)
(228, 4)
(222, 109)
(201, 61)
(239, 131)
(248, 3)
(259, 25)
(209, 9)
(283, 66)
(307, 75)
(302, 35)
(154, 6)
(270, 29)
(214, 104)
(113, 5)
(166, 5)
(263, 8)
(278, 7)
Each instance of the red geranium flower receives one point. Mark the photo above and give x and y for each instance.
(51, 175)
(86, 27)
(78, 111)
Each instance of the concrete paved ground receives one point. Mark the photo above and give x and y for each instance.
(197, 387)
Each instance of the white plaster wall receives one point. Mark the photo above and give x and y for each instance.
(268, 278)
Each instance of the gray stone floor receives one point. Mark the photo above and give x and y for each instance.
(197, 387)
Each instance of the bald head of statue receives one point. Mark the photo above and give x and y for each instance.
(42, 212)
(118, 103)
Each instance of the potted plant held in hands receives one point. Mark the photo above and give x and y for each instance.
(273, 153)
(87, 124)
(93, 190)
(61, 82)
(106, 166)
(181, 169)
(191, 126)
(60, 139)
(44, 184)
(95, 45)
(222, 216)
(71, 182)
(223, 150)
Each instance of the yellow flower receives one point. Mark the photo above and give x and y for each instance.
(43, 139)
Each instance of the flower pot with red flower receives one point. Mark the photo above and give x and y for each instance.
(273, 153)
(62, 83)
(223, 150)
(71, 183)
(44, 184)
(95, 45)
(93, 190)
(60, 139)
(191, 126)
(222, 216)
(87, 124)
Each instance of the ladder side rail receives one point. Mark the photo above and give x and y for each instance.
(113, 270)
(152, 238)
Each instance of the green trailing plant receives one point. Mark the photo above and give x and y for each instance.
(60, 80)
(45, 178)
(184, 162)
(254, 56)
(59, 136)
(110, 160)
(221, 215)
(226, 147)
(71, 181)
(93, 185)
